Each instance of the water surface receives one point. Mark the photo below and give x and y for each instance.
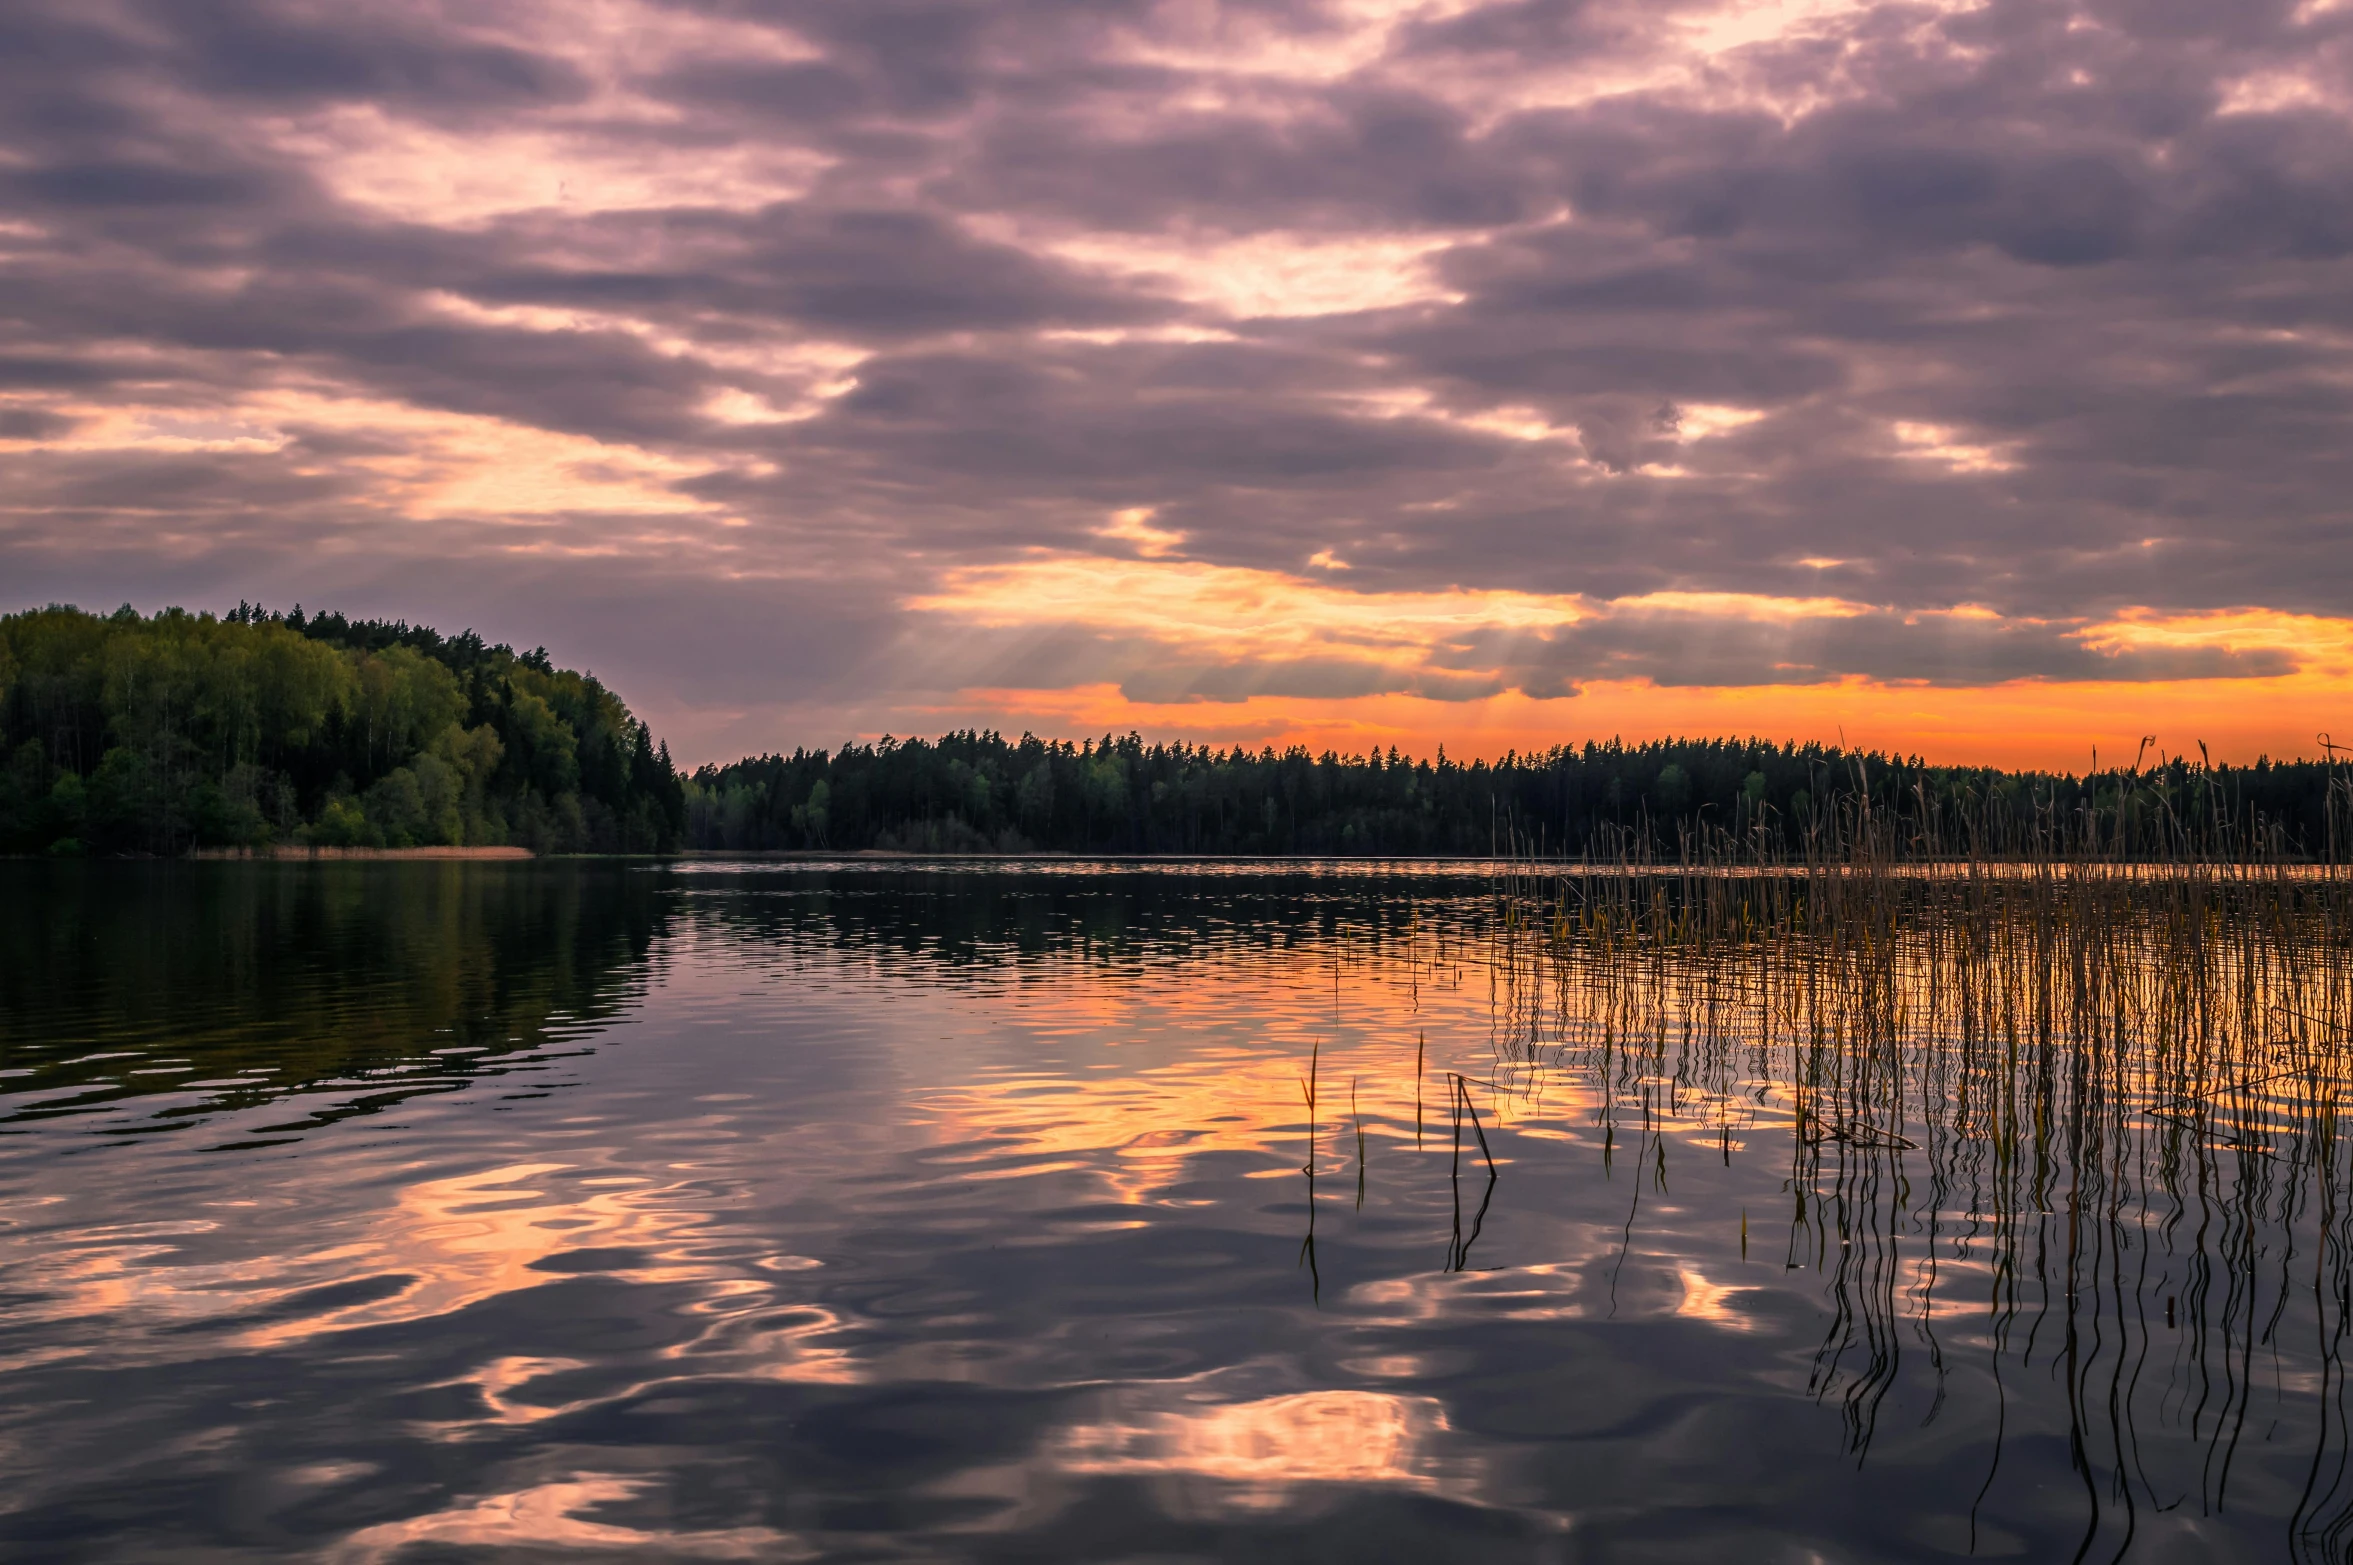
(375, 1212)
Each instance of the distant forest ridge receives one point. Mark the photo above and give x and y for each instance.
(1669, 799)
(160, 734)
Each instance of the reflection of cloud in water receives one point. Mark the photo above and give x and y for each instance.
(1266, 1449)
(1649, 1287)
(1152, 1123)
(548, 1517)
(502, 1376)
(1202, 1069)
(443, 1245)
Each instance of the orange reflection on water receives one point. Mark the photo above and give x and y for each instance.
(550, 1516)
(1224, 1067)
(1152, 1124)
(1270, 1446)
(444, 1244)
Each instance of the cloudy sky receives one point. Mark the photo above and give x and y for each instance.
(1971, 379)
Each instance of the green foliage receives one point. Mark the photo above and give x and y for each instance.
(125, 734)
(1672, 790)
(981, 792)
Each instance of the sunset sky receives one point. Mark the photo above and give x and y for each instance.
(1968, 380)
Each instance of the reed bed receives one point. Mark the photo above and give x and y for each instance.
(2065, 1100)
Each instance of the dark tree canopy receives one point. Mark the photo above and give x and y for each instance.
(131, 734)
(161, 734)
(976, 791)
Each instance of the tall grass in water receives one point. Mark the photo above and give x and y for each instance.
(2064, 1100)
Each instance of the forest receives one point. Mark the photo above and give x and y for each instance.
(1663, 800)
(130, 734)
(162, 734)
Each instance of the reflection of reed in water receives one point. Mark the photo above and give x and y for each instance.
(1458, 1253)
(2059, 1116)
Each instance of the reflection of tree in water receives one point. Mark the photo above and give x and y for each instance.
(2064, 1147)
(2074, 1124)
(358, 985)
(993, 917)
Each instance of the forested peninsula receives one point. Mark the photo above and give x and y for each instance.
(164, 734)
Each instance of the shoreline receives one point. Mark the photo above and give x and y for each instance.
(300, 852)
(2003, 868)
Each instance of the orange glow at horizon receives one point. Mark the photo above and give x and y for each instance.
(2050, 726)
(1176, 612)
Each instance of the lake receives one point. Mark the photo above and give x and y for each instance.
(1051, 1210)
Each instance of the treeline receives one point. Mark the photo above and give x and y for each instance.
(162, 734)
(981, 792)
(130, 734)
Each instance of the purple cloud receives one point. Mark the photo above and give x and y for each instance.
(518, 314)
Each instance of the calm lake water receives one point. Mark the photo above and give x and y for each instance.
(376, 1212)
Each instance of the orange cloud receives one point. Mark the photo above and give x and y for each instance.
(1457, 668)
(2024, 723)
